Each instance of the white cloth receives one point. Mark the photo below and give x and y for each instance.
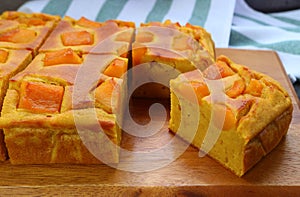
(276, 31)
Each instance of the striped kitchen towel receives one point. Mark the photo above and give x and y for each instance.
(207, 13)
(232, 23)
(277, 31)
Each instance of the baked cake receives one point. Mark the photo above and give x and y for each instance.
(86, 36)
(167, 49)
(256, 111)
(78, 80)
(25, 31)
(11, 62)
(39, 115)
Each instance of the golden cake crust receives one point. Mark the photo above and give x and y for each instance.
(267, 139)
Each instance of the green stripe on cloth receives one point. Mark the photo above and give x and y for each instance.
(200, 12)
(290, 46)
(290, 29)
(287, 20)
(251, 19)
(57, 7)
(159, 10)
(111, 10)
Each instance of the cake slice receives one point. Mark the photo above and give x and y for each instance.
(86, 36)
(25, 31)
(11, 62)
(166, 49)
(53, 109)
(242, 114)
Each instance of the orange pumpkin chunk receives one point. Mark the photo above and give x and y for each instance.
(254, 88)
(77, 38)
(116, 69)
(228, 115)
(230, 119)
(218, 70)
(18, 36)
(84, 22)
(124, 23)
(32, 21)
(3, 56)
(144, 37)
(200, 89)
(64, 56)
(236, 89)
(104, 94)
(181, 43)
(192, 89)
(138, 52)
(36, 22)
(40, 98)
(124, 36)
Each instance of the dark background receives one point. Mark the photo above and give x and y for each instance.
(10, 4)
(268, 6)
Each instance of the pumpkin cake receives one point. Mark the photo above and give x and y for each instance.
(11, 62)
(25, 31)
(256, 111)
(86, 36)
(77, 80)
(39, 116)
(167, 49)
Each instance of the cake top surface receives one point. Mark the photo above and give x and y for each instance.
(56, 83)
(172, 41)
(30, 19)
(12, 60)
(112, 36)
(246, 95)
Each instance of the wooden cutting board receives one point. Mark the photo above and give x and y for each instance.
(188, 175)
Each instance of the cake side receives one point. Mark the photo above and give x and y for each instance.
(46, 138)
(11, 62)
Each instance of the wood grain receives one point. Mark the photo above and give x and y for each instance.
(189, 175)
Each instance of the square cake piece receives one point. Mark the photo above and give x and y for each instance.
(243, 114)
(49, 109)
(11, 62)
(165, 50)
(87, 36)
(25, 31)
